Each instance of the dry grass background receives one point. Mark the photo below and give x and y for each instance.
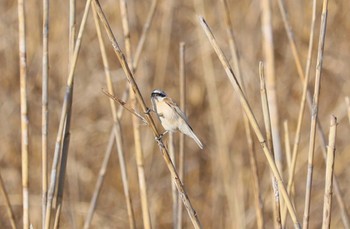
(218, 179)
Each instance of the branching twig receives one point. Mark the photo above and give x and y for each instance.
(131, 110)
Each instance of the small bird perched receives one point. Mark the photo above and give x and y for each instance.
(170, 115)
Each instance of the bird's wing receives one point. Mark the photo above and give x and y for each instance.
(177, 110)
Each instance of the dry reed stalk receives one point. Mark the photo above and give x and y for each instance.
(290, 36)
(44, 109)
(344, 214)
(130, 77)
(287, 144)
(118, 114)
(173, 187)
(252, 119)
(118, 139)
(251, 147)
(222, 180)
(268, 49)
(65, 108)
(314, 114)
(302, 105)
(66, 136)
(347, 101)
(139, 49)
(164, 43)
(7, 204)
(135, 123)
(268, 130)
(327, 203)
(181, 166)
(100, 180)
(24, 111)
(289, 164)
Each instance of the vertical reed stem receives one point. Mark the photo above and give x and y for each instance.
(44, 111)
(314, 114)
(181, 166)
(327, 203)
(24, 111)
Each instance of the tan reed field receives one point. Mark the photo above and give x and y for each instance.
(264, 85)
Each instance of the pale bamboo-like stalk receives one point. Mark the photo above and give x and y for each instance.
(171, 149)
(301, 107)
(251, 147)
(192, 213)
(327, 203)
(268, 130)
(7, 204)
(347, 101)
(314, 114)
(251, 118)
(118, 139)
(268, 49)
(65, 108)
(24, 111)
(181, 166)
(66, 136)
(164, 43)
(44, 109)
(135, 123)
(222, 180)
(100, 180)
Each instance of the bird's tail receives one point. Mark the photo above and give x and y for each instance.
(186, 129)
(196, 139)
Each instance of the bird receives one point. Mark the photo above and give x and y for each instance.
(170, 115)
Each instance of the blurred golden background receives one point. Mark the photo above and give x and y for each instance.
(218, 179)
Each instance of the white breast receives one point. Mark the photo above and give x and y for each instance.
(168, 116)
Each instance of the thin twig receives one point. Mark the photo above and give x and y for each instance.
(251, 118)
(123, 104)
(314, 114)
(130, 77)
(24, 111)
(327, 203)
(65, 108)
